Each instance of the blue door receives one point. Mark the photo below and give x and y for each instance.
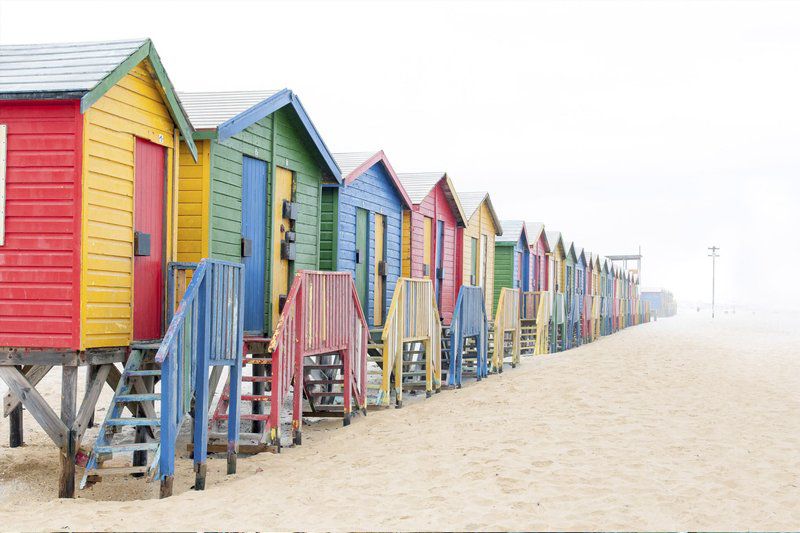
(439, 261)
(526, 271)
(254, 234)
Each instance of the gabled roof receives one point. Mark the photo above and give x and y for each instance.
(226, 113)
(553, 238)
(419, 184)
(471, 201)
(354, 164)
(579, 254)
(513, 231)
(569, 250)
(83, 71)
(536, 231)
(589, 259)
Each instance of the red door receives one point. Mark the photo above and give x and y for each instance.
(148, 220)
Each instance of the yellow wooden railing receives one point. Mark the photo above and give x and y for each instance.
(543, 323)
(413, 317)
(506, 320)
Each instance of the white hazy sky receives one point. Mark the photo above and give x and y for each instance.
(667, 125)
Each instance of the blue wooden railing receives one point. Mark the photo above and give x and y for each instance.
(469, 320)
(205, 330)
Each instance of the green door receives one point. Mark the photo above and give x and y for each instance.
(362, 246)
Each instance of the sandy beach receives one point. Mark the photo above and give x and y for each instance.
(674, 425)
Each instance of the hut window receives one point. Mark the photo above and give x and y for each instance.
(3, 151)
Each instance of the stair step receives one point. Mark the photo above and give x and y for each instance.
(256, 379)
(374, 346)
(138, 397)
(320, 394)
(154, 372)
(256, 397)
(257, 361)
(247, 416)
(130, 447)
(117, 470)
(146, 345)
(133, 422)
(324, 367)
(324, 382)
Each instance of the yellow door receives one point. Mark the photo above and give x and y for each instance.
(427, 239)
(380, 275)
(280, 266)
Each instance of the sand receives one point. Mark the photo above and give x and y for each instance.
(675, 425)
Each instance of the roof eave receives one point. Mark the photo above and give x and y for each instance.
(380, 157)
(176, 111)
(459, 211)
(497, 225)
(278, 100)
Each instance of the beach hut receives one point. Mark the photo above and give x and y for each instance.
(588, 323)
(512, 258)
(556, 282)
(465, 342)
(254, 193)
(580, 294)
(539, 249)
(571, 310)
(478, 258)
(537, 301)
(431, 249)
(89, 142)
(606, 282)
(361, 230)
(255, 196)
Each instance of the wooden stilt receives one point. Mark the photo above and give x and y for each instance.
(91, 372)
(69, 397)
(166, 487)
(15, 436)
(200, 477)
(231, 463)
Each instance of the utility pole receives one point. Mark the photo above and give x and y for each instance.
(713, 255)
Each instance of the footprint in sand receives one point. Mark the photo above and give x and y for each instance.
(542, 464)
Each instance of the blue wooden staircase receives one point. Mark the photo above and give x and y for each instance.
(164, 382)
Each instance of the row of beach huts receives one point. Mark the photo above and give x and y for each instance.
(212, 261)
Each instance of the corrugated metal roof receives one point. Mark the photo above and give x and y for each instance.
(207, 110)
(419, 184)
(579, 252)
(61, 68)
(349, 161)
(553, 237)
(471, 201)
(512, 229)
(535, 229)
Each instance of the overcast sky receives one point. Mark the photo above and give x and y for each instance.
(666, 125)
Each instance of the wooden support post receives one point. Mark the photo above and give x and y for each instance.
(15, 436)
(257, 406)
(166, 487)
(91, 372)
(69, 397)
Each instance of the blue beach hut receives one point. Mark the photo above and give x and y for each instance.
(361, 229)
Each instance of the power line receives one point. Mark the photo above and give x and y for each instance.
(713, 255)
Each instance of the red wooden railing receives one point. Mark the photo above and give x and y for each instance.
(321, 315)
